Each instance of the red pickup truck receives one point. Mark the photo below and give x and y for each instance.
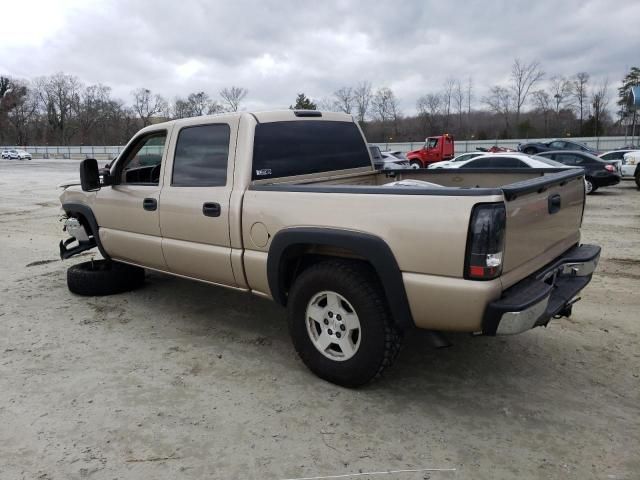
(435, 149)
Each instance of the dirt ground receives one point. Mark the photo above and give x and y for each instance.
(183, 380)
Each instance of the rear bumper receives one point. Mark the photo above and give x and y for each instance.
(605, 180)
(543, 295)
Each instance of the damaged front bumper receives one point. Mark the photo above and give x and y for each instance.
(80, 240)
(546, 294)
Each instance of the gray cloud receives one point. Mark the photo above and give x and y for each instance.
(279, 48)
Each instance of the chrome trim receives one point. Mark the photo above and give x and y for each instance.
(513, 323)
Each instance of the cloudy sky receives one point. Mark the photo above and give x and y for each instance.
(279, 48)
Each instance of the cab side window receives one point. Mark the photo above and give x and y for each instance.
(201, 156)
(141, 165)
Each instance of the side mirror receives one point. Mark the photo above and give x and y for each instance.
(89, 177)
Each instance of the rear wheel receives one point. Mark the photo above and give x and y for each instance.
(637, 177)
(415, 164)
(340, 323)
(529, 151)
(103, 277)
(588, 185)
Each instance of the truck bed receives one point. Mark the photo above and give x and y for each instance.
(534, 235)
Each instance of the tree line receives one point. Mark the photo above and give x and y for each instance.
(59, 109)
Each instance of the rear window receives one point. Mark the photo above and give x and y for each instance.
(283, 149)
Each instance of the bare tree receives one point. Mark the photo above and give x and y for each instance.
(385, 107)
(24, 108)
(581, 94)
(561, 91)
(91, 106)
(328, 104)
(344, 99)
(542, 101)
(501, 102)
(362, 99)
(447, 95)
(232, 97)
(428, 109)
(469, 99)
(58, 94)
(147, 105)
(458, 102)
(523, 78)
(599, 102)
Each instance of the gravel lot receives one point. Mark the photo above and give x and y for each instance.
(184, 380)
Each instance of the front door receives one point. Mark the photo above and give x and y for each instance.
(194, 218)
(127, 212)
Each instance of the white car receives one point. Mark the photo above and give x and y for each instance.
(630, 163)
(509, 160)
(460, 158)
(14, 154)
(388, 160)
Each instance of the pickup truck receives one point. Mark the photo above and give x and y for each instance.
(435, 149)
(287, 205)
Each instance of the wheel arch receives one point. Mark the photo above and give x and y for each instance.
(291, 245)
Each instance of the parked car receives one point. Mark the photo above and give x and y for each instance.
(435, 149)
(287, 205)
(537, 147)
(388, 160)
(598, 173)
(508, 161)
(14, 154)
(627, 171)
(460, 158)
(495, 149)
(631, 166)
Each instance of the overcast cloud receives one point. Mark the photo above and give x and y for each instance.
(279, 48)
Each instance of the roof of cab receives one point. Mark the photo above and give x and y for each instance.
(260, 117)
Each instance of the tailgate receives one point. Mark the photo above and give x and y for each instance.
(543, 218)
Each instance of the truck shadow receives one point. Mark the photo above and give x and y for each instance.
(474, 369)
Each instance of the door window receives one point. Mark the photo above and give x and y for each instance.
(557, 144)
(141, 164)
(432, 143)
(201, 156)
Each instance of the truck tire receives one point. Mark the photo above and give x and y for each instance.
(415, 164)
(340, 323)
(103, 277)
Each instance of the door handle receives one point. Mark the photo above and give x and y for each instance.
(150, 204)
(211, 209)
(555, 202)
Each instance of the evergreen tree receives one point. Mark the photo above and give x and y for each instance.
(303, 103)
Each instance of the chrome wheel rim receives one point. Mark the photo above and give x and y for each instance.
(333, 326)
(589, 186)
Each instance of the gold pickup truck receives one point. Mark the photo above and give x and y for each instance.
(287, 205)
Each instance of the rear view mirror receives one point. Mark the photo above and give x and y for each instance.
(89, 177)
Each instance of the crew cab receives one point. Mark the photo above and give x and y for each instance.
(435, 149)
(287, 206)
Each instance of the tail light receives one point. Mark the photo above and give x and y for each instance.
(610, 168)
(485, 242)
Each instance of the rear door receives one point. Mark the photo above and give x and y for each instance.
(194, 217)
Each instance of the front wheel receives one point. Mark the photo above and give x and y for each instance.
(340, 323)
(415, 164)
(529, 151)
